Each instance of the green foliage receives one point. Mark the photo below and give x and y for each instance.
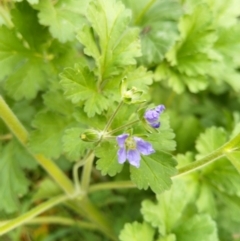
(64, 18)
(14, 183)
(80, 85)
(20, 60)
(155, 172)
(214, 191)
(137, 231)
(156, 169)
(47, 138)
(118, 43)
(197, 59)
(173, 217)
(158, 26)
(210, 140)
(62, 69)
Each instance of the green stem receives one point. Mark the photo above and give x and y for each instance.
(111, 185)
(12, 122)
(75, 174)
(87, 169)
(196, 165)
(31, 214)
(57, 220)
(57, 174)
(144, 10)
(79, 164)
(85, 208)
(227, 148)
(112, 117)
(20, 132)
(123, 127)
(232, 145)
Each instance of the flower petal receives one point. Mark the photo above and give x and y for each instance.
(144, 147)
(160, 108)
(151, 116)
(122, 155)
(155, 124)
(121, 139)
(134, 158)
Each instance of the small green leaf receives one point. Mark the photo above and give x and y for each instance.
(190, 58)
(108, 161)
(155, 171)
(137, 231)
(79, 84)
(197, 36)
(170, 202)
(14, 184)
(178, 81)
(210, 140)
(158, 27)
(64, 17)
(198, 228)
(25, 61)
(118, 43)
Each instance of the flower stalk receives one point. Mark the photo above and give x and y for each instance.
(26, 217)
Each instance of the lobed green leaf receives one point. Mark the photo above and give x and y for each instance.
(137, 231)
(155, 171)
(118, 43)
(64, 17)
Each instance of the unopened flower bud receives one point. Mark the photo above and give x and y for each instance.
(133, 96)
(90, 135)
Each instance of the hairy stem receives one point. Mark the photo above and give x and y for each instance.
(22, 135)
(12, 122)
(123, 127)
(199, 164)
(26, 217)
(57, 220)
(113, 116)
(227, 148)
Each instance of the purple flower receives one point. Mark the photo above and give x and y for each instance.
(152, 116)
(130, 149)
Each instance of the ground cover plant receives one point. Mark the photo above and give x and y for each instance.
(120, 120)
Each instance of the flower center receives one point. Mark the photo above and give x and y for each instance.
(130, 143)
